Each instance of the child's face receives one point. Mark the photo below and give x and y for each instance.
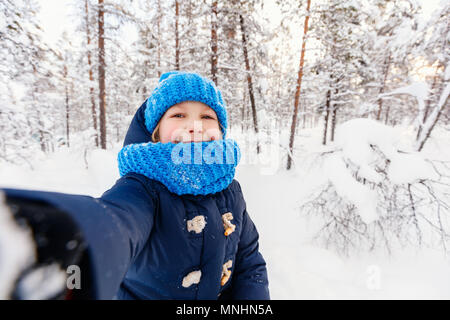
(189, 121)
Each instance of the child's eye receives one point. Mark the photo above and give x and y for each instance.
(208, 117)
(178, 115)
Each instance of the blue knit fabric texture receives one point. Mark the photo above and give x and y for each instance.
(197, 168)
(177, 86)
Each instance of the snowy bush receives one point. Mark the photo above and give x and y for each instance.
(377, 196)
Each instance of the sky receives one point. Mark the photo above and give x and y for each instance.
(56, 16)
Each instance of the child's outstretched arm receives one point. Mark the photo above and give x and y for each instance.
(115, 227)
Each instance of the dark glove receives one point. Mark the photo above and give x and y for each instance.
(58, 240)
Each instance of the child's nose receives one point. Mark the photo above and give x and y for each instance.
(193, 132)
(195, 127)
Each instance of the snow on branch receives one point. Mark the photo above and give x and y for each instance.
(377, 195)
(418, 90)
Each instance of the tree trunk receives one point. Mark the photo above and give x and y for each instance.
(442, 104)
(177, 40)
(249, 79)
(304, 116)
(298, 88)
(334, 109)
(327, 114)
(387, 65)
(387, 115)
(333, 121)
(159, 38)
(214, 57)
(427, 108)
(91, 75)
(439, 65)
(41, 132)
(244, 102)
(38, 114)
(67, 107)
(101, 74)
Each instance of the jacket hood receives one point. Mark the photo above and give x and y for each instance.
(137, 131)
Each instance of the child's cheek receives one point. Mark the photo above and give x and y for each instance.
(165, 132)
(213, 130)
(212, 133)
(170, 132)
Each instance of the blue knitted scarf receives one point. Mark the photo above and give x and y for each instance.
(197, 168)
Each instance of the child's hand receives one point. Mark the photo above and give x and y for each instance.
(17, 250)
(37, 243)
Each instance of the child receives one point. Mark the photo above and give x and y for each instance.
(175, 225)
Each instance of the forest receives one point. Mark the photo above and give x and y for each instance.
(341, 108)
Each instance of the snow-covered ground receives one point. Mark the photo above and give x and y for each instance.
(298, 268)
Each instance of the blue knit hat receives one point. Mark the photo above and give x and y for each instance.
(175, 87)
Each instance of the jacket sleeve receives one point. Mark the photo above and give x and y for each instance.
(115, 226)
(250, 275)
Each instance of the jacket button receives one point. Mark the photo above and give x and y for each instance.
(225, 272)
(192, 278)
(227, 225)
(196, 224)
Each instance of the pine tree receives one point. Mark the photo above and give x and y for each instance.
(26, 67)
(437, 52)
(298, 87)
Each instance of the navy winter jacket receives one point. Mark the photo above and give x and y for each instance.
(139, 245)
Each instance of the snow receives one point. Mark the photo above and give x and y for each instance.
(409, 168)
(347, 187)
(356, 136)
(403, 35)
(298, 268)
(65, 171)
(404, 167)
(357, 146)
(419, 90)
(263, 118)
